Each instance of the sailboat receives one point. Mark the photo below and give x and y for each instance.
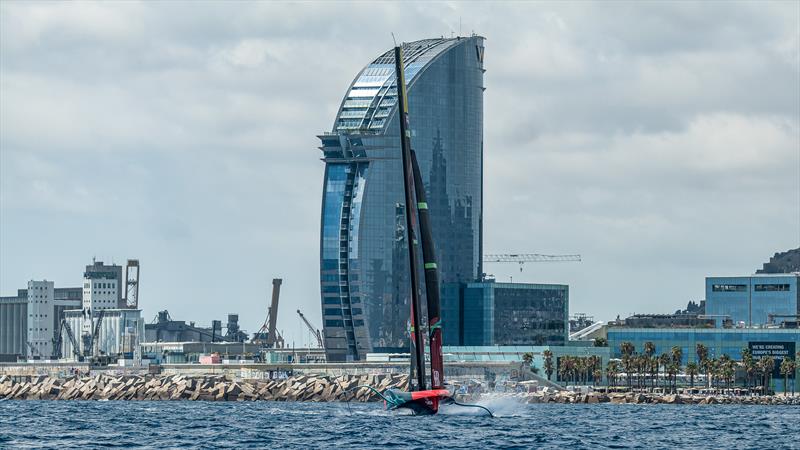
(420, 398)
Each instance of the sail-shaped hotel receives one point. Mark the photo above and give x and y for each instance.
(363, 255)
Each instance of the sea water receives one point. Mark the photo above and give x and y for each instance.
(185, 424)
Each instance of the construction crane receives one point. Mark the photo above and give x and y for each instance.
(59, 339)
(96, 333)
(522, 258)
(268, 335)
(314, 331)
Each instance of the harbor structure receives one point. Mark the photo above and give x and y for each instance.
(31, 322)
(364, 275)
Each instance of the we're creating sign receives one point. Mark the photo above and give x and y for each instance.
(777, 350)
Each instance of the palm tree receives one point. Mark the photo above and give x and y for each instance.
(612, 370)
(527, 358)
(649, 351)
(702, 356)
(766, 365)
(580, 368)
(749, 366)
(627, 349)
(673, 372)
(563, 369)
(548, 363)
(709, 366)
(677, 357)
(664, 360)
(787, 368)
(597, 376)
(691, 370)
(726, 371)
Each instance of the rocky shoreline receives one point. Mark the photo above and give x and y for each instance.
(644, 398)
(307, 388)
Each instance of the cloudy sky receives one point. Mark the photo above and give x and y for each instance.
(661, 141)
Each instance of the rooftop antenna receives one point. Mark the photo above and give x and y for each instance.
(393, 39)
(459, 25)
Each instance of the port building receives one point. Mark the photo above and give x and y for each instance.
(363, 254)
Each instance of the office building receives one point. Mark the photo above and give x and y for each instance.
(758, 300)
(363, 254)
(490, 313)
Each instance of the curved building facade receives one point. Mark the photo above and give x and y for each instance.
(363, 255)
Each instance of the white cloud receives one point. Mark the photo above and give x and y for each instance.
(659, 140)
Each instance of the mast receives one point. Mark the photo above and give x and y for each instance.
(408, 182)
(431, 279)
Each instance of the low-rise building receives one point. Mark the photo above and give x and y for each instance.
(718, 341)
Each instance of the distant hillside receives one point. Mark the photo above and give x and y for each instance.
(785, 262)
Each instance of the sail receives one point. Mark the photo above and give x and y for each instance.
(431, 279)
(418, 349)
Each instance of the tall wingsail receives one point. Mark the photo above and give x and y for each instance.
(418, 349)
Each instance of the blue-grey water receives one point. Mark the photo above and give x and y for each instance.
(91, 424)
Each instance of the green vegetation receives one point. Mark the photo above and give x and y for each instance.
(643, 371)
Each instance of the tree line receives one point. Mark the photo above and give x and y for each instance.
(642, 370)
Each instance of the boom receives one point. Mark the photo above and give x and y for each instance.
(313, 330)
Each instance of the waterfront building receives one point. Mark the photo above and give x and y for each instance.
(756, 300)
(363, 254)
(491, 313)
(776, 342)
(17, 321)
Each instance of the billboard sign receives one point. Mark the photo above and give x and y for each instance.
(777, 350)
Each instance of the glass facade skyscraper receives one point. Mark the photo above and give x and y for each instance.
(363, 255)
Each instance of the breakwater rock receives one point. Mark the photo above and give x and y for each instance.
(311, 388)
(642, 398)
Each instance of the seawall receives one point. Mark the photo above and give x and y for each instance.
(211, 388)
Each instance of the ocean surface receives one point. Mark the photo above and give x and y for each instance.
(92, 424)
